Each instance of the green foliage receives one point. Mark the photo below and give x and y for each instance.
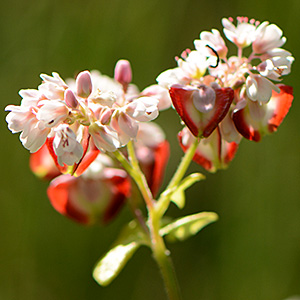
(111, 264)
(178, 196)
(185, 227)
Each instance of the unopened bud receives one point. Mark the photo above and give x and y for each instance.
(70, 99)
(84, 84)
(123, 73)
(105, 116)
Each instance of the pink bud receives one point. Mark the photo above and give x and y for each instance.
(84, 84)
(70, 99)
(123, 72)
(105, 116)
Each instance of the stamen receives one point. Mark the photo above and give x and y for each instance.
(217, 55)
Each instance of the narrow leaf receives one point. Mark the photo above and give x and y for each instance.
(111, 264)
(188, 226)
(178, 196)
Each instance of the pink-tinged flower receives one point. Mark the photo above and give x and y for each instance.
(88, 199)
(214, 40)
(104, 137)
(160, 93)
(125, 126)
(67, 149)
(42, 164)
(23, 119)
(52, 112)
(267, 37)
(208, 112)
(276, 52)
(260, 88)
(254, 120)
(53, 87)
(241, 35)
(152, 151)
(213, 153)
(143, 109)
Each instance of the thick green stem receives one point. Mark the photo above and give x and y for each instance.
(164, 200)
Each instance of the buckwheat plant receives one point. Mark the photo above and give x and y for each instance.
(94, 138)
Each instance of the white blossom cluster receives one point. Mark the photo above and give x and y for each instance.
(93, 108)
(256, 73)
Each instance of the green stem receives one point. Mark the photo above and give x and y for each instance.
(140, 178)
(164, 200)
(160, 252)
(162, 257)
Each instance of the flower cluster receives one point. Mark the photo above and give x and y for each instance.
(225, 98)
(78, 127)
(93, 109)
(101, 186)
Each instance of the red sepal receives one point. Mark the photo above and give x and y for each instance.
(89, 201)
(42, 164)
(49, 142)
(200, 124)
(161, 157)
(212, 153)
(284, 101)
(268, 116)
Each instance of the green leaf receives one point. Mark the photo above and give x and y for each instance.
(178, 196)
(185, 227)
(111, 264)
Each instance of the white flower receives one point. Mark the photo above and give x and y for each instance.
(160, 93)
(242, 35)
(214, 40)
(52, 112)
(171, 76)
(275, 52)
(66, 147)
(259, 88)
(53, 87)
(275, 67)
(143, 109)
(267, 37)
(194, 65)
(23, 119)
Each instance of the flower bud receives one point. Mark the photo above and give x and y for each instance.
(70, 99)
(123, 73)
(84, 84)
(105, 116)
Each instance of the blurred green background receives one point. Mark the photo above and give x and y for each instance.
(252, 252)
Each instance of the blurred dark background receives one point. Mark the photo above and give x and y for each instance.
(252, 252)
